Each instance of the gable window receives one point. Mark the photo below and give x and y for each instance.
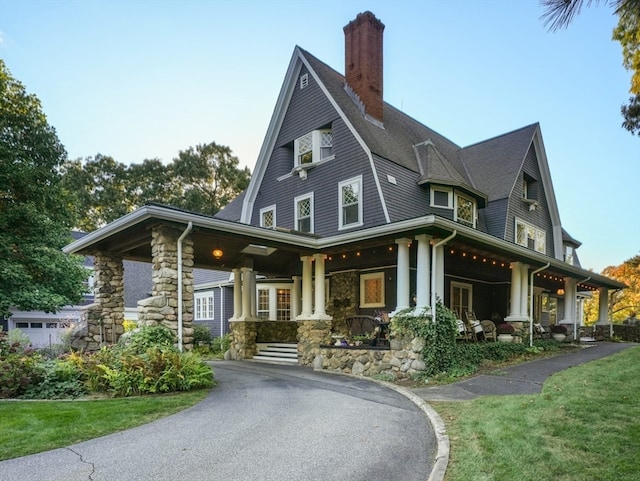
(529, 187)
(316, 146)
(372, 290)
(441, 197)
(531, 237)
(465, 211)
(274, 302)
(203, 306)
(304, 213)
(350, 200)
(268, 217)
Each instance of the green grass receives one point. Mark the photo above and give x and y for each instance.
(28, 427)
(584, 426)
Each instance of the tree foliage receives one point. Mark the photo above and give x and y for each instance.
(36, 212)
(624, 302)
(560, 13)
(201, 179)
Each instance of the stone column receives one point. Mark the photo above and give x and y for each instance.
(307, 287)
(237, 294)
(403, 293)
(320, 304)
(603, 306)
(516, 293)
(423, 284)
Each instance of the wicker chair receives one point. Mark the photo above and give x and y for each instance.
(489, 329)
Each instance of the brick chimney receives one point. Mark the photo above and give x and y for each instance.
(363, 61)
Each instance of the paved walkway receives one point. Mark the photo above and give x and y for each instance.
(526, 378)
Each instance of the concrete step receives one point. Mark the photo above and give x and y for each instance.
(277, 352)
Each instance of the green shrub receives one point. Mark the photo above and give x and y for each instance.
(18, 366)
(146, 337)
(59, 379)
(201, 335)
(221, 344)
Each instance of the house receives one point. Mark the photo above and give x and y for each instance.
(353, 208)
(45, 328)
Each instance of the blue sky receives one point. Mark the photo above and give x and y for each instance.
(142, 79)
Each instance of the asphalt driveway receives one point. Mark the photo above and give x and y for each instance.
(262, 422)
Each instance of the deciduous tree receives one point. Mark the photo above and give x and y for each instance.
(36, 212)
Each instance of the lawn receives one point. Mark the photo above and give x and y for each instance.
(28, 427)
(584, 426)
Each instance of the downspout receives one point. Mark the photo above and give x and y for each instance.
(575, 321)
(433, 272)
(533, 273)
(221, 310)
(180, 282)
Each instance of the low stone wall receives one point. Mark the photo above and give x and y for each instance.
(621, 331)
(404, 359)
(280, 331)
(311, 335)
(243, 344)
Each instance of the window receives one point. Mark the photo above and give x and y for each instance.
(350, 192)
(274, 302)
(441, 197)
(465, 211)
(304, 213)
(203, 306)
(461, 298)
(529, 187)
(268, 217)
(568, 254)
(531, 237)
(372, 290)
(313, 147)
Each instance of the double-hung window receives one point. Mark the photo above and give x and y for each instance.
(304, 213)
(350, 203)
(203, 306)
(531, 237)
(274, 302)
(315, 146)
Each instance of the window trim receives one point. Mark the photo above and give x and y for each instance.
(296, 201)
(359, 223)
(449, 193)
(474, 214)
(461, 285)
(272, 290)
(363, 279)
(263, 211)
(316, 149)
(536, 232)
(204, 307)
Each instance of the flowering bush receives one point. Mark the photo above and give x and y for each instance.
(559, 329)
(505, 328)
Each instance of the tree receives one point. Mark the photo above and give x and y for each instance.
(560, 13)
(624, 302)
(36, 212)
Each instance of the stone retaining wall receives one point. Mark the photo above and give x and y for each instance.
(277, 331)
(621, 331)
(243, 339)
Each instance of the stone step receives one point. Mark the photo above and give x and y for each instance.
(277, 352)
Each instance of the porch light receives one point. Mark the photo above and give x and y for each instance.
(217, 253)
(560, 292)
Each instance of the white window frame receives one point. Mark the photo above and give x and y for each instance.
(449, 193)
(354, 180)
(296, 201)
(273, 311)
(461, 285)
(569, 254)
(316, 148)
(380, 276)
(264, 210)
(474, 213)
(203, 306)
(539, 236)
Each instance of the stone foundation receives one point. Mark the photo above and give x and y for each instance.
(312, 334)
(277, 331)
(343, 300)
(243, 339)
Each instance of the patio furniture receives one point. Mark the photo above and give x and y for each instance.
(361, 325)
(489, 329)
(474, 325)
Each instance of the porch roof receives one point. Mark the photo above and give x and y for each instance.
(277, 252)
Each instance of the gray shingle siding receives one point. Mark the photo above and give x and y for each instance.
(494, 216)
(405, 199)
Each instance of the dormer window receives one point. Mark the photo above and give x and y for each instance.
(314, 147)
(465, 211)
(441, 197)
(531, 237)
(568, 254)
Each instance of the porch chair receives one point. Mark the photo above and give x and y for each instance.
(474, 324)
(463, 332)
(360, 325)
(489, 329)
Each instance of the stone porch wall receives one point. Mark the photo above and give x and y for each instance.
(343, 300)
(621, 331)
(280, 331)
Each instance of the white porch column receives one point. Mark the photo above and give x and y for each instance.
(237, 294)
(403, 294)
(423, 275)
(253, 312)
(603, 305)
(516, 293)
(319, 311)
(246, 293)
(307, 287)
(295, 297)
(437, 287)
(524, 291)
(569, 301)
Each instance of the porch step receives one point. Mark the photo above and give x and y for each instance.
(277, 352)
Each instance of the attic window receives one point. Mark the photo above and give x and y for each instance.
(441, 197)
(314, 147)
(304, 80)
(530, 236)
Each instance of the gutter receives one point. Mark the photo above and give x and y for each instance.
(180, 239)
(533, 273)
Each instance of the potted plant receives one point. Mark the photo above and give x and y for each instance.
(360, 340)
(505, 332)
(559, 332)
